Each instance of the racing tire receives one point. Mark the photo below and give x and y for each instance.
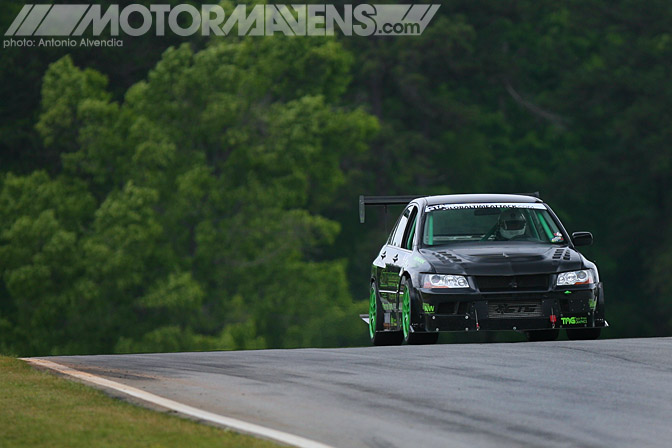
(586, 334)
(407, 317)
(542, 335)
(377, 334)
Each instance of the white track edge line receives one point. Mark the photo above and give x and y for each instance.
(242, 426)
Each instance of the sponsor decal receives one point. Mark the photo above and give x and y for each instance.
(388, 306)
(428, 308)
(417, 261)
(534, 205)
(557, 238)
(574, 320)
(504, 308)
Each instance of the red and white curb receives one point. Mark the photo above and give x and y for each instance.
(232, 423)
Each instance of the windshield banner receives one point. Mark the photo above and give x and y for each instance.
(533, 205)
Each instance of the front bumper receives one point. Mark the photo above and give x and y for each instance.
(575, 307)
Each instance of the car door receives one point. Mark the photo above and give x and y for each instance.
(399, 249)
(388, 281)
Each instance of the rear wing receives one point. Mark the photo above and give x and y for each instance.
(381, 200)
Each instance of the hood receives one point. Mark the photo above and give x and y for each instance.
(503, 258)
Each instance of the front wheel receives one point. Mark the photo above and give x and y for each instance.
(376, 315)
(586, 334)
(413, 338)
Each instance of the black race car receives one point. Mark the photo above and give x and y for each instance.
(477, 262)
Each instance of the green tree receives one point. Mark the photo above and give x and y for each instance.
(202, 190)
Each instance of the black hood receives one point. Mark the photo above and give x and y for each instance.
(503, 258)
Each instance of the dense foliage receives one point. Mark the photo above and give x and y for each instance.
(204, 196)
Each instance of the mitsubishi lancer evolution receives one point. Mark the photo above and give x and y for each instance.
(481, 262)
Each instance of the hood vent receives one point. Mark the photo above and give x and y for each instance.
(565, 254)
(447, 257)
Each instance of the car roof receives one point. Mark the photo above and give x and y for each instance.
(469, 198)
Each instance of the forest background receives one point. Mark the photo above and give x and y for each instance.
(201, 193)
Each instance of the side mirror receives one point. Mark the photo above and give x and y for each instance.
(582, 238)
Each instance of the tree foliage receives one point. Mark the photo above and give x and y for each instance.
(186, 216)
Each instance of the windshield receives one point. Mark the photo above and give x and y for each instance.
(447, 223)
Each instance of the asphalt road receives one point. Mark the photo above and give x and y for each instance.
(610, 393)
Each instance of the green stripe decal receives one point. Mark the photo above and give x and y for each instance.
(430, 224)
(545, 225)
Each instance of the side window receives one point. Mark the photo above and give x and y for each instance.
(410, 231)
(400, 231)
(394, 229)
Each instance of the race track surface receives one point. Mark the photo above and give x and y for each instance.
(610, 393)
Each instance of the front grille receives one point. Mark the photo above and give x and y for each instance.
(514, 309)
(489, 283)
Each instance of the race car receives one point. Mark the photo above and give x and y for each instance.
(481, 262)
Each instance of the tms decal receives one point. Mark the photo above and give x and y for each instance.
(574, 320)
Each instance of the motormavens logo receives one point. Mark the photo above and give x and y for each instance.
(74, 21)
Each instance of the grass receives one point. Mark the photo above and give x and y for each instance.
(41, 409)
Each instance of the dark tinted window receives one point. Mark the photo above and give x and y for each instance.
(400, 229)
(410, 230)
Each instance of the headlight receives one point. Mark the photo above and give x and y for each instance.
(575, 278)
(444, 281)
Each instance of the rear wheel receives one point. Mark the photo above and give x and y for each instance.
(542, 335)
(585, 334)
(413, 338)
(376, 316)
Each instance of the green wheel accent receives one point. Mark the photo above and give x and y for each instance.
(380, 336)
(372, 312)
(406, 313)
(417, 337)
